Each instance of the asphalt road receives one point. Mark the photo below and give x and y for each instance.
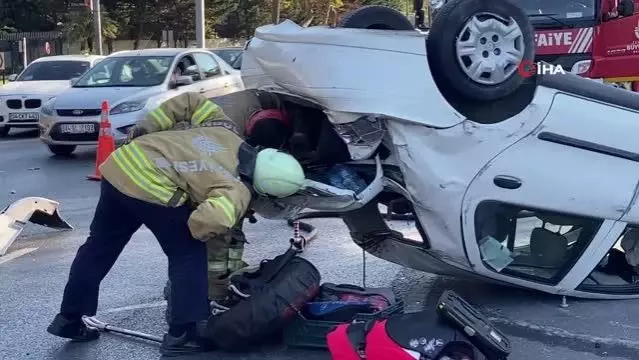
(33, 273)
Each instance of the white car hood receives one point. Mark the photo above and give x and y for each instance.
(91, 98)
(34, 87)
(349, 72)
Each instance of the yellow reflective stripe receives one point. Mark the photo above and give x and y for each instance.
(226, 206)
(124, 159)
(217, 266)
(151, 170)
(183, 199)
(197, 114)
(203, 112)
(236, 254)
(163, 121)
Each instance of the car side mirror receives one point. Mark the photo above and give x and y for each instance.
(181, 81)
(191, 70)
(626, 8)
(214, 72)
(12, 77)
(74, 80)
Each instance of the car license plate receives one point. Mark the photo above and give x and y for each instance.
(24, 116)
(77, 128)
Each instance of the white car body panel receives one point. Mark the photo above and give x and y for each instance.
(450, 163)
(364, 68)
(92, 98)
(38, 91)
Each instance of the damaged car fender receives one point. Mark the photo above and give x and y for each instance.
(36, 210)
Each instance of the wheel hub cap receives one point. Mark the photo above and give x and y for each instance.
(490, 48)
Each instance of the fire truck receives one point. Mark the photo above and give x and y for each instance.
(598, 39)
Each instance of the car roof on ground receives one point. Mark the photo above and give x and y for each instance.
(68, 58)
(154, 52)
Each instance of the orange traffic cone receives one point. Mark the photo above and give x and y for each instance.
(106, 143)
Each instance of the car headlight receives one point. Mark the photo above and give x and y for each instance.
(437, 4)
(127, 107)
(47, 107)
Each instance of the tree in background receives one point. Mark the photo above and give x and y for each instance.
(79, 28)
(140, 20)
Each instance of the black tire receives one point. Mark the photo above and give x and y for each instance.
(441, 48)
(376, 17)
(4, 131)
(62, 150)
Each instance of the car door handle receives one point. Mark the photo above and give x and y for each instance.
(507, 182)
(202, 91)
(226, 85)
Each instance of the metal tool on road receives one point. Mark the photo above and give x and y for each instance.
(104, 327)
(36, 210)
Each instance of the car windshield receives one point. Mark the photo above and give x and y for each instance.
(558, 9)
(228, 55)
(129, 71)
(54, 70)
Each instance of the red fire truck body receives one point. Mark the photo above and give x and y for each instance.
(593, 41)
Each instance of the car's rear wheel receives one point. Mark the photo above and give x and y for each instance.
(376, 17)
(477, 46)
(62, 150)
(4, 131)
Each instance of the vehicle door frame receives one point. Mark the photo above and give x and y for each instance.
(220, 81)
(186, 88)
(530, 190)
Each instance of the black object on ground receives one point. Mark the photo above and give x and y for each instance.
(305, 332)
(476, 327)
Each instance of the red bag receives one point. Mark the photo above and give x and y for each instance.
(379, 346)
(402, 337)
(341, 346)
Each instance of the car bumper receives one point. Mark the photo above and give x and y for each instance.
(17, 124)
(51, 132)
(23, 113)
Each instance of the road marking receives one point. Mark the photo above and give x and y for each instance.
(16, 254)
(150, 305)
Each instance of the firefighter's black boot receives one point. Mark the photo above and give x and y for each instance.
(72, 328)
(190, 341)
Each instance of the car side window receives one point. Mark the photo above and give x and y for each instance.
(208, 64)
(187, 67)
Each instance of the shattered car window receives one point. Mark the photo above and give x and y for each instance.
(529, 243)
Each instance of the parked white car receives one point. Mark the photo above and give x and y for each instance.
(133, 82)
(44, 78)
(527, 182)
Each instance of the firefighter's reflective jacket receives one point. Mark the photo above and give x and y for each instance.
(196, 165)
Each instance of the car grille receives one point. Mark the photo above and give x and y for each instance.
(59, 136)
(32, 103)
(14, 104)
(85, 112)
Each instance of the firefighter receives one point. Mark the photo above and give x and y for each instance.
(188, 187)
(269, 128)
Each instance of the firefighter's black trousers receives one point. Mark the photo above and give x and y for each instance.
(117, 217)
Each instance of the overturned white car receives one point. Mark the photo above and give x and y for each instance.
(531, 182)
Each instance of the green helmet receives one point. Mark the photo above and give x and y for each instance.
(277, 173)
